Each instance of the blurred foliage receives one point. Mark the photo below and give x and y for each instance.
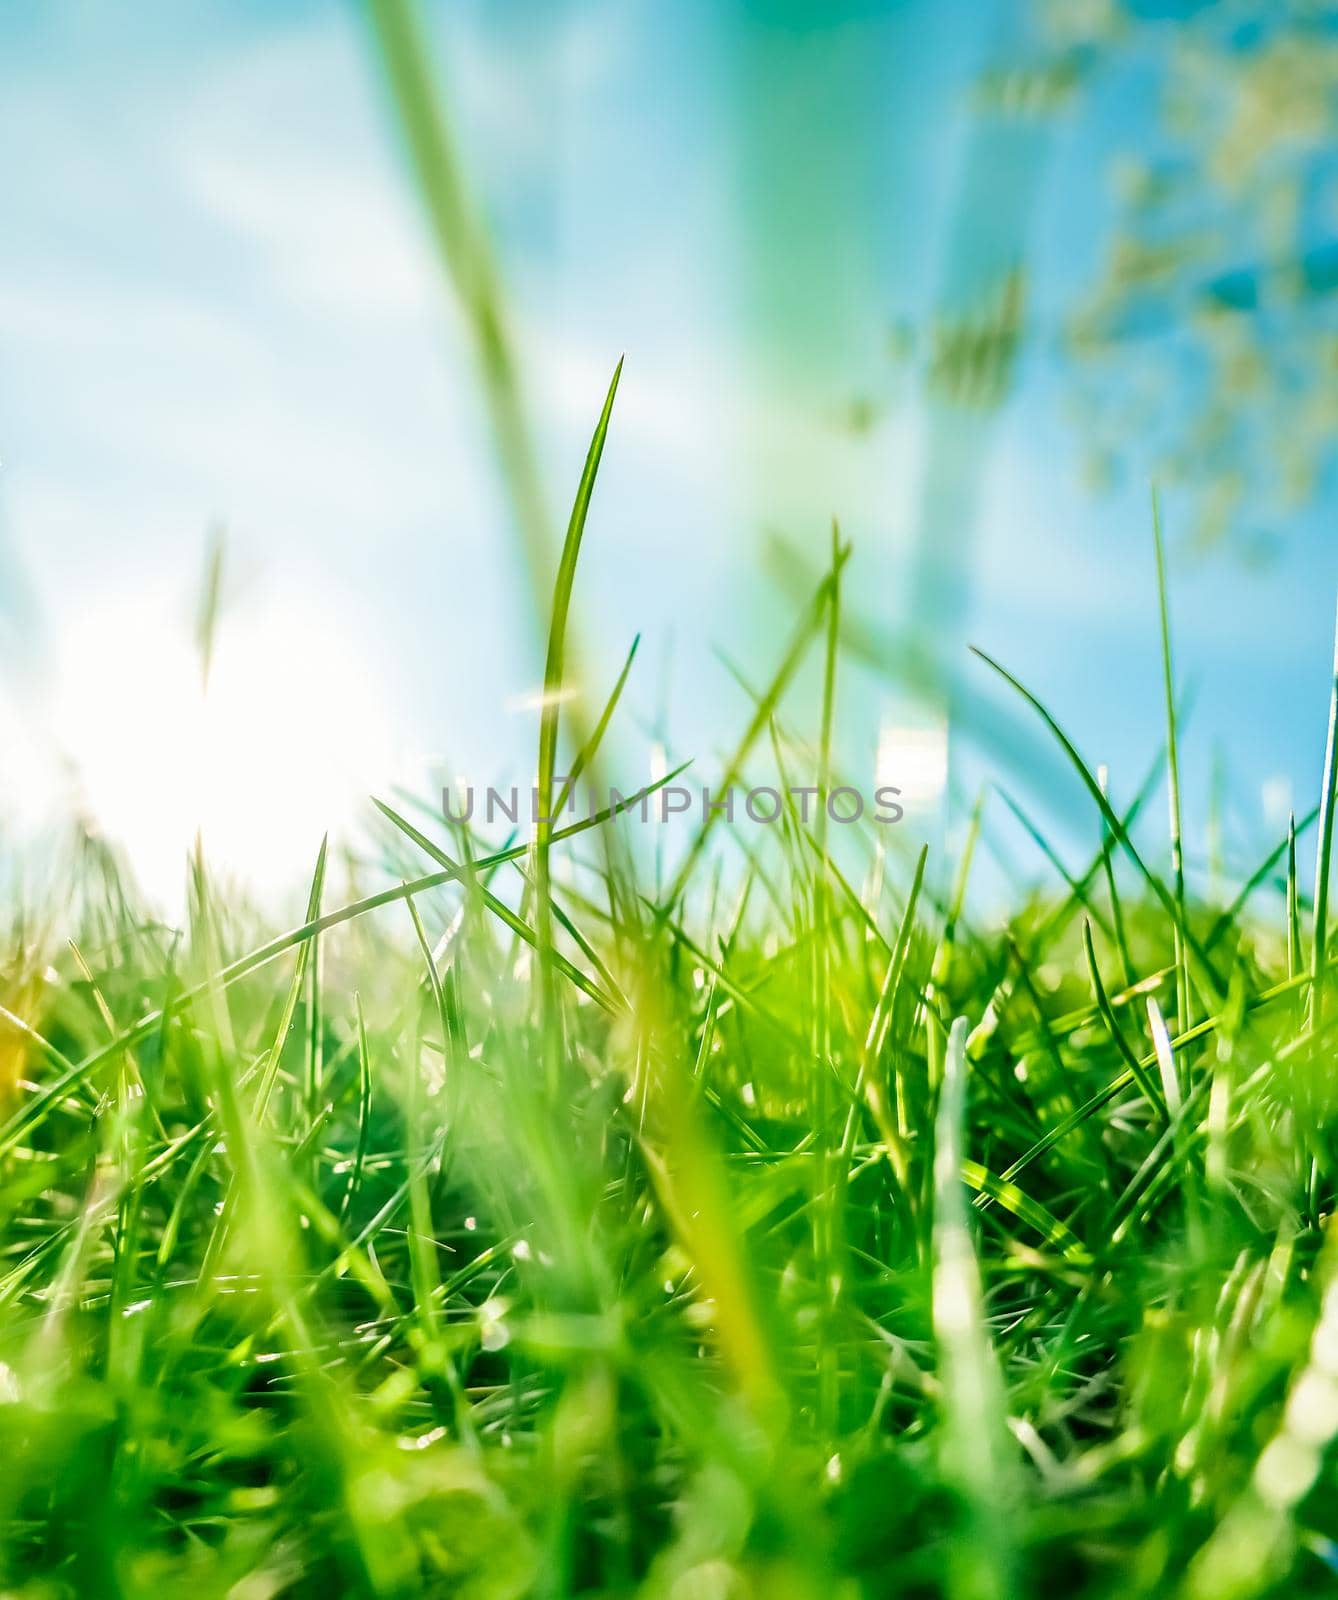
(973, 355)
(1201, 340)
(1210, 331)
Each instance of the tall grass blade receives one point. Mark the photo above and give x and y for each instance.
(1324, 853)
(1172, 772)
(974, 1447)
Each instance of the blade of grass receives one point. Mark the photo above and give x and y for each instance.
(462, 244)
(364, 1113)
(825, 1221)
(1172, 774)
(548, 724)
(1204, 974)
(1161, 1108)
(974, 1446)
(761, 718)
(1324, 852)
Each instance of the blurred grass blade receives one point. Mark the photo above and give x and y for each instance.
(1324, 851)
(463, 246)
(1172, 772)
(974, 1446)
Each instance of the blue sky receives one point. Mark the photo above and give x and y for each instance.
(218, 305)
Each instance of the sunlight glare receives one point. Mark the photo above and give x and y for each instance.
(283, 743)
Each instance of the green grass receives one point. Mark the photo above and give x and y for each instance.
(766, 1222)
(514, 1229)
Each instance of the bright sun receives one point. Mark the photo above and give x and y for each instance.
(285, 741)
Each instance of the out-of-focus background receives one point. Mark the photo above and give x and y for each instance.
(967, 276)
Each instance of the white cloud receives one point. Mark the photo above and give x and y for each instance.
(334, 239)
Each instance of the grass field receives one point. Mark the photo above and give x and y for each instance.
(529, 1226)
